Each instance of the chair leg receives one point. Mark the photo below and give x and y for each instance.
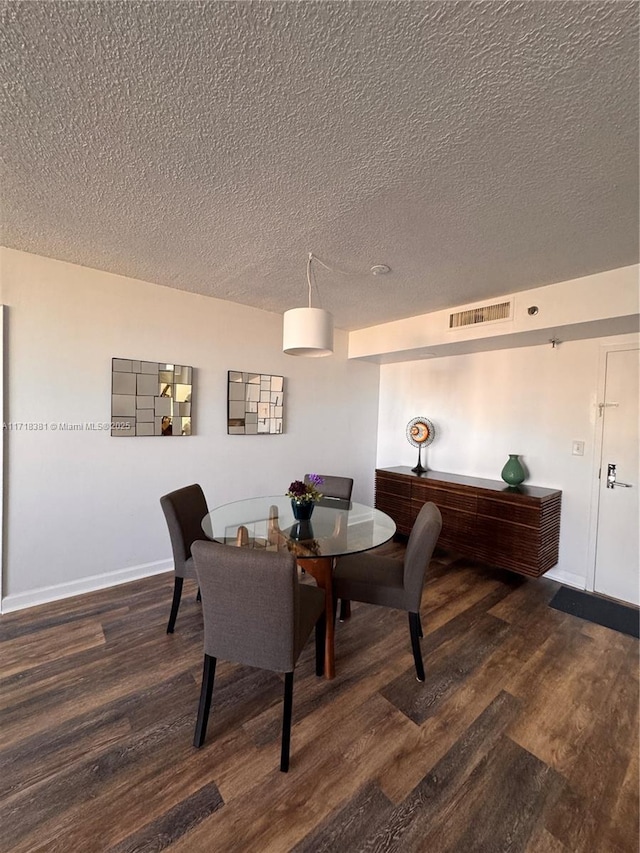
(414, 629)
(177, 592)
(345, 609)
(321, 632)
(286, 721)
(208, 676)
(420, 634)
(199, 595)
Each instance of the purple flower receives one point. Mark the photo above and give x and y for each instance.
(316, 480)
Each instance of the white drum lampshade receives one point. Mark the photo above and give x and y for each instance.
(307, 332)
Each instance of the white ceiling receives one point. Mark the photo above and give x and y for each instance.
(476, 148)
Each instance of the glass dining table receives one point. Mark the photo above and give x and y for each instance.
(336, 528)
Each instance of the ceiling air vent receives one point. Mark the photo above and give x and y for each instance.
(481, 314)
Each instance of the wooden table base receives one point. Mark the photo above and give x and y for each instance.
(321, 568)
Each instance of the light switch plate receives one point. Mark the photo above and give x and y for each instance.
(577, 448)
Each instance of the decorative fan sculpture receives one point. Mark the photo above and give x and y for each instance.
(420, 433)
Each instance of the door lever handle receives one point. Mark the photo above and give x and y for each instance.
(612, 480)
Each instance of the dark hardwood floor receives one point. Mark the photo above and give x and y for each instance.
(523, 738)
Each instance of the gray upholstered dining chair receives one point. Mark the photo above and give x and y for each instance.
(334, 487)
(255, 613)
(377, 579)
(184, 510)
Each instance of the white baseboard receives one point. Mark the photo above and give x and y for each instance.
(567, 578)
(45, 594)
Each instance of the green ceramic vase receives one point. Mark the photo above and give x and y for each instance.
(513, 472)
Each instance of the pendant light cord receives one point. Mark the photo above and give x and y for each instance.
(309, 275)
(313, 257)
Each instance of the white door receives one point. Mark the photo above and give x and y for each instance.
(617, 571)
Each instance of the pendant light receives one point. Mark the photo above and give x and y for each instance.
(308, 331)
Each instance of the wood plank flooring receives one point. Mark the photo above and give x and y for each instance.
(523, 738)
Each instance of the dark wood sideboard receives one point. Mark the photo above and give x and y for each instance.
(515, 528)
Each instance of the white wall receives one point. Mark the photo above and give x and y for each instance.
(82, 508)
(533, 401)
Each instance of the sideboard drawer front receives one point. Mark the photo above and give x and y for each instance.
(510, 545)
(511, 510)
(398, 508)
(391, 485)
(422, 491)
(458, 529)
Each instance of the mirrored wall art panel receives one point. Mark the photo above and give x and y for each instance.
(150, 398)
(255, 403)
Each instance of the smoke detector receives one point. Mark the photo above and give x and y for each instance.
(380, 269)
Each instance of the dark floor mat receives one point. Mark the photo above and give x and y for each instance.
(602, 611)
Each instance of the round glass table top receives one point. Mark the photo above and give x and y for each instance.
(335, 528)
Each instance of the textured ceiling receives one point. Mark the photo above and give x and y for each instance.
(476, 148)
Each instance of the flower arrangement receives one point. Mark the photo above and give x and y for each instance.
(304, 493)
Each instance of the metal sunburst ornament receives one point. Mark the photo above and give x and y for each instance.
(420, 433)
